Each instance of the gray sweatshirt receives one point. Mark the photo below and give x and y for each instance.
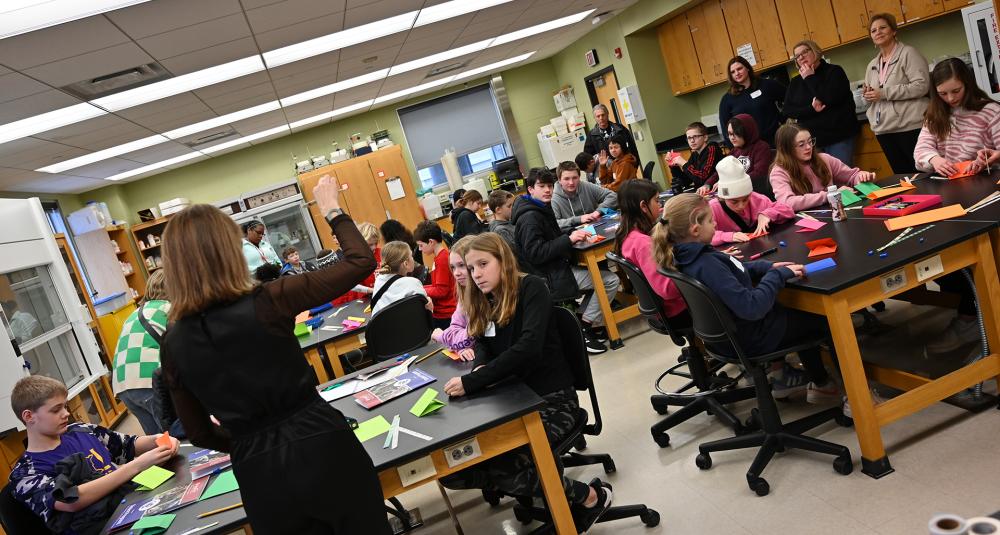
(587, 198)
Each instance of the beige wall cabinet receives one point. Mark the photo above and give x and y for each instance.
(678, 52)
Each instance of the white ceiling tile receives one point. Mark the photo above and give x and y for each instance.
(294, 85)
(59, 42)
(224, 89)
(504, 11)
(104, 168)
(4, 70)
(248, 102)
(288, 12)
(378, 10)
(90, 133)
(241, 146)
(31, 153)
(210, 57)
(151, 18)
(355, 95)
(35, 104)
(254, 4)
(196, 36)
(262, 122)
(309, 68)
(57, 184)
(270, 138)
(182, 103)
(447, 25)
(15, 85)
(403, 81)
(157, 153)
(308, 109)
(90, 65)
(297, 33)
(351, 4)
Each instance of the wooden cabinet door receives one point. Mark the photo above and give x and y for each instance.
(852, 19)
(794, 25)
(918, 9)
(389, 164)
(874, 162)
(679, 55)
(770, 42)
(889, 6)
(308, 181)
(957, 4)
(361, 199)
(740, 28)
(708, 31)
(822, 23)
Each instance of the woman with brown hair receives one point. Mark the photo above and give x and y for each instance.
(757, 97)
(466, 216)
(230, 352)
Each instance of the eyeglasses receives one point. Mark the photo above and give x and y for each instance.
(803, 54)
(696, 137)
(811, 142)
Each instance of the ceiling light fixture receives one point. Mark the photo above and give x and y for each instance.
(48, 121)
(335, 87)
(100, 155)
(228, 118)
(23, 16)
(154, 166)
(331, 114)
(245, 139)
(455, 8)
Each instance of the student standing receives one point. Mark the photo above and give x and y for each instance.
(576, 202)
(754, 153)
(466, 217)
(821, 101)
(896, 83)
(230, 352)
(760, 98)
(502, 204)
(509, 318)
(392, 282)
(698, 171)
(256, 250)
(604, 129)
(441, 289)
(739, 211)
(456, 336)
(801, 174)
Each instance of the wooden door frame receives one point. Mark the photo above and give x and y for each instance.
(588, 81)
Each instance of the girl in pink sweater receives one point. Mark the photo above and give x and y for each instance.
(639, 203)
(800, 174)
(740, 211)
(456, 336)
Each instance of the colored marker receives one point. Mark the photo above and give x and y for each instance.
(762, 253)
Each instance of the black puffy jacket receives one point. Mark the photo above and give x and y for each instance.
(466, 223)
(543, 248)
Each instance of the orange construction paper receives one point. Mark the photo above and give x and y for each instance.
(164, 440)
(886, 192)
(756, 235)
(302, 317)
(963, 169)
(928, 216)
(822, 246)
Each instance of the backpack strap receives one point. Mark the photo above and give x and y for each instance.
(149, 326)
(382, 290)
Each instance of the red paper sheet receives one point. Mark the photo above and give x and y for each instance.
(822, 246)
(809, 225)
(963, 169)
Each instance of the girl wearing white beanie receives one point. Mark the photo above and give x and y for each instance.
(741, 213)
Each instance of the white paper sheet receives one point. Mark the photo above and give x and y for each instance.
(395, 186)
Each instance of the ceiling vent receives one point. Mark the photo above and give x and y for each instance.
(116, 82)
(445, 68)
(198, 142)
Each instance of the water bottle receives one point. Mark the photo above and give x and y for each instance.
(837, 212)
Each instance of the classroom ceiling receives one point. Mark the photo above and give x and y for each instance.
(220, 76)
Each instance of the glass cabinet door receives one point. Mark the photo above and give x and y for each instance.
(289, 227)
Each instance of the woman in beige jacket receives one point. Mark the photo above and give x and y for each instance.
(896, 85)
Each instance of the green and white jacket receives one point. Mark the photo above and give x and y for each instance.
(137, 355)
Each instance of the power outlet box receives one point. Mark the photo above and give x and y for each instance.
(893, 281)
(928, 268)
(462, 452)
(416, 471)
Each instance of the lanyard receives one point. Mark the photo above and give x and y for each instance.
(883, 69)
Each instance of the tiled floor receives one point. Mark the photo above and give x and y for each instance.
(946, 459)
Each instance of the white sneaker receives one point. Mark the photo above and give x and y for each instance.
(876, 399)
(955, 335)
(825, 393)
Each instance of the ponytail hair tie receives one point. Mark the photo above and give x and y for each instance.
(664, 221)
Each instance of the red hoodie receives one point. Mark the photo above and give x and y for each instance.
(441, 290)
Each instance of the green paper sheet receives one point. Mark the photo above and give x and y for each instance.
(849, 197)
(150, 525)
(223, 483)
(866, 187)
(153, 477)
(427, 404)
(372, 428)
(301, 329)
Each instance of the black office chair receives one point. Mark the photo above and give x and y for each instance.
(647, 170)
(17, 519)
(714, 388)
(715, 326)
(575, 351)
(399, 328)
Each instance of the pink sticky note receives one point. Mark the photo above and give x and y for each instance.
(810, 224)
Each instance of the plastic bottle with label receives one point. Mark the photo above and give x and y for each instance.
(837, 212)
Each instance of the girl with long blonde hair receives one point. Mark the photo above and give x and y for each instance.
(391, 280)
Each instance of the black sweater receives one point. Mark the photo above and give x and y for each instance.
(467, 223)
(526, 348)
(838, 121)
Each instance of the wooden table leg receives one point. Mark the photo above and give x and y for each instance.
(874, 461)
(614, 338)
(312, 355)
(988, 290)
(333, 355)
(555, 495)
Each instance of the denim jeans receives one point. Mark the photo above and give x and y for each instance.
(842, 150)
(143, 404)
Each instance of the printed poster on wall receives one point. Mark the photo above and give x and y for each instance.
(746, 51)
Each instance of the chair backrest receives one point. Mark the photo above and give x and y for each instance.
(400, 327)
(17, 519)
(575, 353)
(650, 303)
(713, 322)
(647, 171)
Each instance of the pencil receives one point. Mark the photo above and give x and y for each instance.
(221, 510)
(427, 356)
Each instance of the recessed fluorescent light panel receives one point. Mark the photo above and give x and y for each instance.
(246, 139)
(335, 87)
(155, 166)
(23, 16)
(541, 28)
(455, 8)
(331, 114)
(208, 124)
(49, 121)
(100, 155)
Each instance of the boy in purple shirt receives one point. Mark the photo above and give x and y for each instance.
(111, 459)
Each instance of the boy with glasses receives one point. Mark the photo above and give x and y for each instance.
(698, 171)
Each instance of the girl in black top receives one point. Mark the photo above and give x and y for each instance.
(230, 352)
(509, 318)
(466, 217)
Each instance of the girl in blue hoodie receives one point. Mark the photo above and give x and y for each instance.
(682, 241)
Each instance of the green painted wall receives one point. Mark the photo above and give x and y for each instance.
(529, 90)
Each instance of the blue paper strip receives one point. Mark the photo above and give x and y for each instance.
(826, 263)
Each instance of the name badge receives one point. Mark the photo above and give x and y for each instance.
(756, 94)
(736, 262)
(491, 330)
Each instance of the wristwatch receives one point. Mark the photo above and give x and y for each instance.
(333, 212)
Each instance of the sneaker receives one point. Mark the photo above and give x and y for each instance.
(586, 517)
(594, 346)
(825, 393)
(601, 333)
(876, 399)
(957, 334)
(790, 382)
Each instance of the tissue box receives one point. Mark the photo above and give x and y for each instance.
(174, 205)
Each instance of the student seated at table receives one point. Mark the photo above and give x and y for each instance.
(962, 123)
(294, 265)
(698, 171)
(509, 319)
(739, 211)
(621, 166)
(753, 151)
(467, 222)
(74, 475)
(391, 280)
(501, 203)
(800, 173)
(363, 290)
(576, 202)
(392, 230)
(456, 336)
(639, 203)
(441, 289)
(682, 241)
(456, 203)
(547, 251)
(588, 166)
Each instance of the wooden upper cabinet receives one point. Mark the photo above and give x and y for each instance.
(679, 55)
(770, 42)
(852, 19)
(957, 4)
(893, 6)
(740, 28)
(794, 26)
(918, 9)
(711, 40)
(822, 23)
(388, 165)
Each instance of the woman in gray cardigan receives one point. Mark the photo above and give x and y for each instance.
(896, 85)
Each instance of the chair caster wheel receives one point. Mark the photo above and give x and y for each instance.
(650, 518)
(492, 498)
(844, 421)
(843, 465)
(752, 423)
(609, 467)
(703, 461)
(580, 444)
(662, 439)
(759, 485)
